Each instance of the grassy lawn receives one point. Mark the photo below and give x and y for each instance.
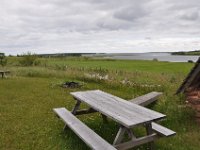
(28, 95)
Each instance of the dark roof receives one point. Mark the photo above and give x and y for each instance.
(189, 80)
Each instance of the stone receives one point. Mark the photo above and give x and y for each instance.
(192, 93)
(194, 97)
(196, 107)
(197, 114)
(194, 101)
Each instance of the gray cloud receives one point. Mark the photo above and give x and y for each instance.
(77, 25)
(132, 12)
(190, 15)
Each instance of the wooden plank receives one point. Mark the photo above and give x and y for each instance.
(189, 79)
(85, 111)
(76, 107)
(150, 132)
(137, 142)
(120, 110)
(120, 135)
(3, 73)
(146, 99)
(93, 140)
(163, 131)
(105, 119)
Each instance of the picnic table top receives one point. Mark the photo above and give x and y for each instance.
(4, 71)
(124, 112)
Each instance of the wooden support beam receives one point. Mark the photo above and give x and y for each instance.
(85, 111)
(136, 142)
(120, 135)
(74, 110)
(76, 107)
(149, 132)
(130, 134)
(3, 73)
(105, 119)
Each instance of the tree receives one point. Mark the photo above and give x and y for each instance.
(3, 60)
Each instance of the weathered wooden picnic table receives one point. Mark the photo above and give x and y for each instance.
(3, 73)
(127, 114)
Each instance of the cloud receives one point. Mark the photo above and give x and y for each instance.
(190, 15)
(46, 26)
(131, 12)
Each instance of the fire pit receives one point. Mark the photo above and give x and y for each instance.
(71, 84)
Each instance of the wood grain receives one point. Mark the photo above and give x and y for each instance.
(124, 112)
(93, 140)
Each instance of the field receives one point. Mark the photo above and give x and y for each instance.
(28, 95)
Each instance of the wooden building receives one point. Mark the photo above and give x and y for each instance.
(192, 81)
(191, 88)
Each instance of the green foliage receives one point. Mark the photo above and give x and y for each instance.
(178, 53)
(29, 59)
(196, 52)
(3, 60)
(190, 61)
(155, 59)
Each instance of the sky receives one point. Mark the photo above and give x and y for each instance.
(99, 26)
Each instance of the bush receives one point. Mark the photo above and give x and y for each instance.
(3, 60)
(190, 61)
(29, 59)
(155, 59)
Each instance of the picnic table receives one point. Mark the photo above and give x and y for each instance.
(3, 73)
(126, 113)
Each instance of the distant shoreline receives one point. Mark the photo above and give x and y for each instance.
(190, 53)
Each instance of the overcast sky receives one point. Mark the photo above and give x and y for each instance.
(118, 26)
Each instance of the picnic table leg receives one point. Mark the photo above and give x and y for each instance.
(105, 119)
(122, 145)
(76, 107)
(5, 75)
(149, 132)
(130, 134)
(120, 135)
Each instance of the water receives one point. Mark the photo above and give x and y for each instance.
(151, 56)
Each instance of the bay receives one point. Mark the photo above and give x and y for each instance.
(149, 56)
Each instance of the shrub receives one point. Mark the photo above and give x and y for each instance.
(3, 60)
(190, 61)
(155, 59)
(29, 59)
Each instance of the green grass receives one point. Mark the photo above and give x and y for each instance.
(28, 95)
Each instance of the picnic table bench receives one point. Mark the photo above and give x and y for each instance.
(128, 114)
(3, 73)
(147, 99)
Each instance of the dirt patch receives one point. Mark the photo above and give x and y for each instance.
(193, 100)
